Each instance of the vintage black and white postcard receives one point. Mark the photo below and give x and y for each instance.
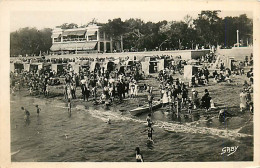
(119, 82)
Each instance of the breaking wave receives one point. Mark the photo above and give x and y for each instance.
(167, 126)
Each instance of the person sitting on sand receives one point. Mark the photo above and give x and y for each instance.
(102, 98)
(138, 155)
(212, 104)
(223, 115)
(227, 79)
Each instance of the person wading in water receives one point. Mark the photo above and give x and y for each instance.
(138, 155)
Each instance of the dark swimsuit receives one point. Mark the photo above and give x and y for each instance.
(150, 133)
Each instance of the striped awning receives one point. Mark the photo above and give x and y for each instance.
(91, 32)
(74, 33)
(66, 33)
(64, 46)
(74, 46)
(55, 47)
(81, 32)
(55, 35)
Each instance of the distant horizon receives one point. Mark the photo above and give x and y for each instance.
(51, 19)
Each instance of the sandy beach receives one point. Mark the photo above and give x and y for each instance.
(52, 136)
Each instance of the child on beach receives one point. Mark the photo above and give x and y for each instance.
(190, 105)
(38, 110)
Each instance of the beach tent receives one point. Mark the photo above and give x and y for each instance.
(18, 66)
(27, 67)
(190, 70)
(12, 67)
(160, 64)
(121, 69)
(58, 68)
(84, 62)
(76, 68)
(94, 65)
(230, 63)
(36, 66)
(110, 66)
(145, 67)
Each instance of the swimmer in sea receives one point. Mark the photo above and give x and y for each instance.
(150, 131)
(38, 110)
(138, 155)
(108, 121)
(149, 119)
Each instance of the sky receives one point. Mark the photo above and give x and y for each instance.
(50, 19)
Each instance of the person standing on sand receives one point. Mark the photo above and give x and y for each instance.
(38, 110)
(205, 100)
(69, 98)
(27, 115)
(164, 97)
(65, 91)
(190, 105)
(178, 106)
(150, 101)
(243, 100)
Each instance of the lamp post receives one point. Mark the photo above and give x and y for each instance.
(238, 38)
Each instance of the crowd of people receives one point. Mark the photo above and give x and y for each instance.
(174, 92)
(105, 86)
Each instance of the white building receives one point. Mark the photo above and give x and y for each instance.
(80, 40)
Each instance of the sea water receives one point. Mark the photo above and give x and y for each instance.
(85, 136)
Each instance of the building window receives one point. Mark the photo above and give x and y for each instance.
(92, 36)
(57, 39)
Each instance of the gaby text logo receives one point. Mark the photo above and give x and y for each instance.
(229, 150)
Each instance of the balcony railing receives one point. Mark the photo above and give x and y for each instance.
(74, 39)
